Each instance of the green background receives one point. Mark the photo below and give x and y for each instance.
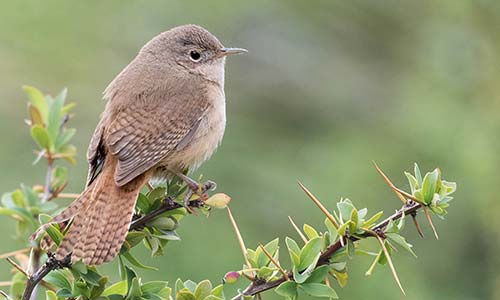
(327, 86)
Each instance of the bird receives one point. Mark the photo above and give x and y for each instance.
(165, 113)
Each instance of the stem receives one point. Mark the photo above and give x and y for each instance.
(48, 176)
(33, 280)
(259, 287)
(53, 264)
(35, 259)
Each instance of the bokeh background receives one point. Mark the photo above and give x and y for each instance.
(327, 86)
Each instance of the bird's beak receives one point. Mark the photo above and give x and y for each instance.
(228, 51)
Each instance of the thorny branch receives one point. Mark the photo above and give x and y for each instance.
(52, 263)
(260, 286)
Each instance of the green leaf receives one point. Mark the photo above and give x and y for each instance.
(342, 228)
(91, 277)
(179, 285)
(318, 290)
(133, 238)
(292, 245)
(58, 279)
(287, 289)
(412, 181)
(190, 285)
(137, 263)
(202, 290)
(213, 297)
(345, 207)
(41, 137)
(143, 203)
(331, 229)
(134, 289)
(66, 108)
(401, 241)
(418, 175)
(429, 185)
(165, 223)
(310, 231)
(185, 294)
(50, 295)
(351, 248)
(119, 288)
(38, 101)
(153, 287)
(35, 116)
(309, 252)
(301, 277)
(261, 258)
(54, 120)
(318, 275)
(64, 137)
(218, 291)
(54, 233)
(373, 219)
(354, 221)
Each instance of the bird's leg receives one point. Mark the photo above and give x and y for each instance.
(186, 201)
(195, 188)
(191, 183)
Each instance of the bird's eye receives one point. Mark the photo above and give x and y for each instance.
(194, 55)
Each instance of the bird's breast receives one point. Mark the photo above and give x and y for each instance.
(206, 138)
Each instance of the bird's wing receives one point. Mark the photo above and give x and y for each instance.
(144, 133)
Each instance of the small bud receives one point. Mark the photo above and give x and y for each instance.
(218, 200)
(231, 277)
(38, 188)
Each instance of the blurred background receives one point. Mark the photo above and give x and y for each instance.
(327, 86)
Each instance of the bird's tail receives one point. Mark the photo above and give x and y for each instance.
(101, 218)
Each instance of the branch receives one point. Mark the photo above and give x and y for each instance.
(51, 264)
(260, 286)
(168, 204)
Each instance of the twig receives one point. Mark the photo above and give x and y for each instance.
(51, 264)
(259, 287)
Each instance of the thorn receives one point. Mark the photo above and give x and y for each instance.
(239, 237)
(18, 267)
(319, 204)
(430, 221)
(283, 272)
(304, 239)
(389, 261)
(414, 217)
(5, 295)
(12, 253)
(389, 183)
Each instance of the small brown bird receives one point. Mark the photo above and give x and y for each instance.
(165, 114)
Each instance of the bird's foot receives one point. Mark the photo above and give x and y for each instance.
(186, 201)
(197, 189)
